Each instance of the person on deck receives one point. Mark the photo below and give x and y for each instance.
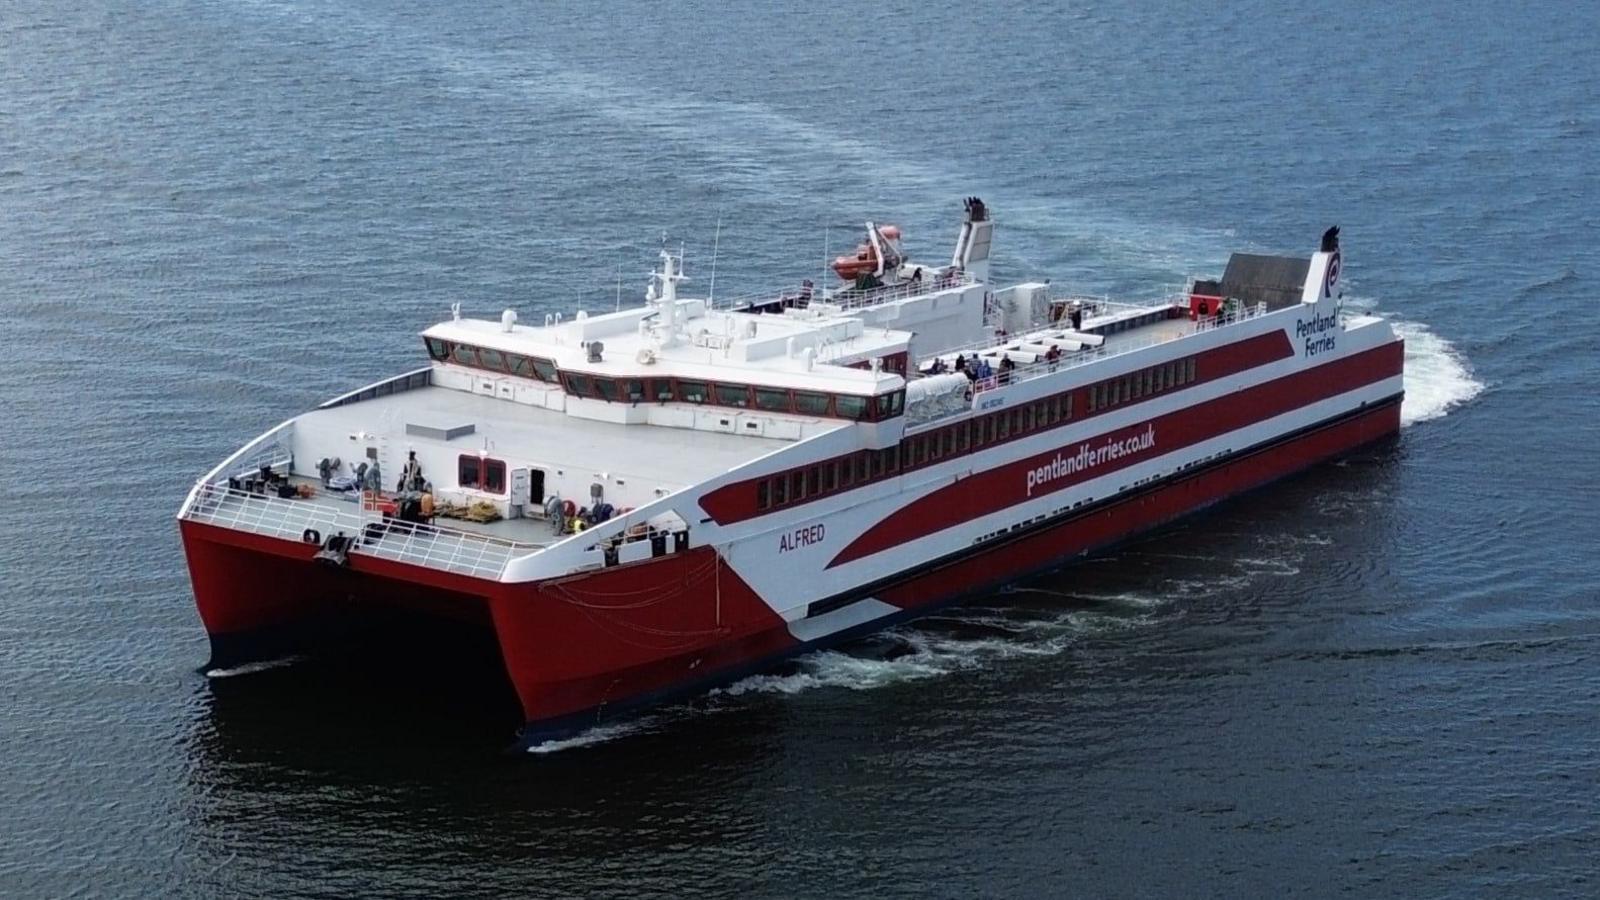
(426, 501)
(411, 475)
(1006, 367)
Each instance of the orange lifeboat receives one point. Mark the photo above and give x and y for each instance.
(864, 261)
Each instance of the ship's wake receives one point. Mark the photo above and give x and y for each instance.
(252, 668)
(1438, 376)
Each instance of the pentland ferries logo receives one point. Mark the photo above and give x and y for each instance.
(1330, 279)
(1318, 333)
(1089, 456)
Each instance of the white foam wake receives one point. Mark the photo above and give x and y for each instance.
(930, 652)
(253, 667)
(1438, 377)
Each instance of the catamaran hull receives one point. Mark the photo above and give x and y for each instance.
(594, 645)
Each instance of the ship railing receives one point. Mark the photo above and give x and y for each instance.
(851, 298)
(410, 381)
(1230, 316)
(272, 450)
(420, 544)
(1028, 371)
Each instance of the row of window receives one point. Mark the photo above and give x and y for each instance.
(492, 360)
(669, 390)
(481, 473)
(1141, 384)
(738, 396)
(962, 437)
(913, 452)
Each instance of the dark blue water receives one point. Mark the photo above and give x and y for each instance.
(1381, 678)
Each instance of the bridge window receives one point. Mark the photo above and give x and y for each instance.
(578, 385)
(809, 404)
(606, 388)
(490, 359)
(850, 406)
(439, 350)
(463, 355)
(772, 399)
(693, 392)
(732, 395)
(891, 405)
(633, 390)
(661, 389)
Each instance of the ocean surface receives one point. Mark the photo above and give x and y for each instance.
(1378, 679)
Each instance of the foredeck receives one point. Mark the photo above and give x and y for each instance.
(669, 458)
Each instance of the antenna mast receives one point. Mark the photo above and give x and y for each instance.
(716, 241)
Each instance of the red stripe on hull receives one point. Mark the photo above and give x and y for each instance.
(1117, 521)
(1008, 485)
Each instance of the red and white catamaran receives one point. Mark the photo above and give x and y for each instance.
(684, 494)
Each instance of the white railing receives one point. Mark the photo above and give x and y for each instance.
(430, 546)
(849, 297)
(409, 381)
(1028, 371)
(272, 449)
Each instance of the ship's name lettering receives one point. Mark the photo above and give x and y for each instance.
(1318, 333)
(992, 402)
(801, 537)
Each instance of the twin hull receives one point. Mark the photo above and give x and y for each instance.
(767, 584)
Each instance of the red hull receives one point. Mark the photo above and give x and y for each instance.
(580, 648)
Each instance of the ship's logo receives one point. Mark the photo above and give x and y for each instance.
(1331, 279)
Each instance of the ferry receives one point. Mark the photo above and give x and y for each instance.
(639, 505)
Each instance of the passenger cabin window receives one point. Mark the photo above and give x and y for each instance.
(482, 474)
(494, 476)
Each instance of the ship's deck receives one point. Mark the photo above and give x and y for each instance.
(661, 456)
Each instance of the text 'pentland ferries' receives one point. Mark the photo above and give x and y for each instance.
(1089, 456)
(1319, 333)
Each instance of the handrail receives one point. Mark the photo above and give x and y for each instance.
(851, 298)
(407, 381)
(251, 452)
(1029, 371)
(427, 545)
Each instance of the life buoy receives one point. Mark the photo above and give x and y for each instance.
(311, 536)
